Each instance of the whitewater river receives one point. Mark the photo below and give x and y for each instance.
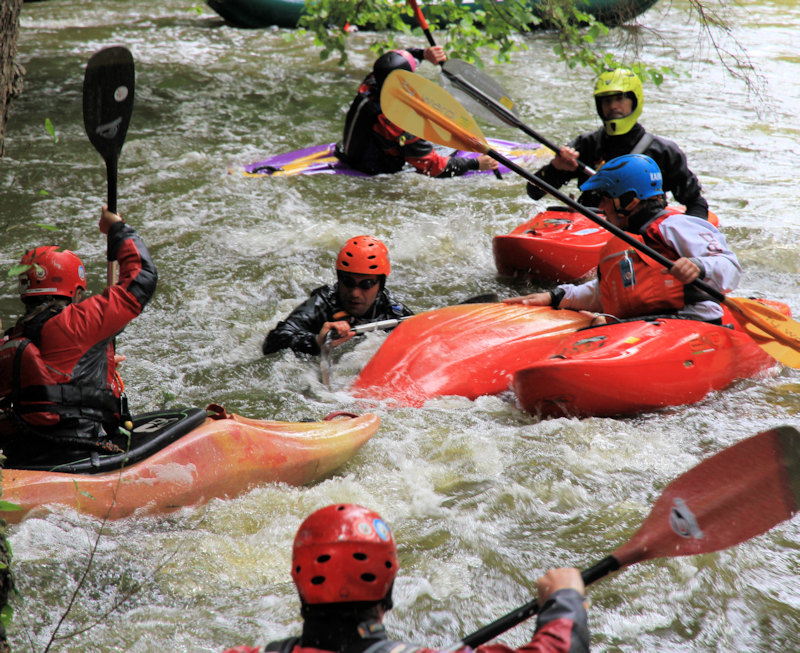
(481, 496)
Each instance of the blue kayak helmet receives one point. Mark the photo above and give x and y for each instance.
(631, 173)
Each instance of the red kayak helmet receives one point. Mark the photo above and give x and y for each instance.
(364, 255)
(343, 553)
(51, 272)
(392, 60)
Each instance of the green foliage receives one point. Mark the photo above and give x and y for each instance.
(7, 506)
(197, 8)
(48, 125)
(467, 30)
(6, 615)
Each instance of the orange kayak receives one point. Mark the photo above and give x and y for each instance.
(216, 456)
(467, 350)
(555, 246)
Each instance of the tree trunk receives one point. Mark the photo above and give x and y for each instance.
(10, 71)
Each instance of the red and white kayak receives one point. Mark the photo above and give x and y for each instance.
(637, 366)
(555, 246)
(467, 350)
(197, 458)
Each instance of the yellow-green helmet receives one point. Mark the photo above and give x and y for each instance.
(623, 81)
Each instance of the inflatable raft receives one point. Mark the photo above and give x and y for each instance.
(555, 246)
(468, 350)
(186, 457)
(321, 160)
(638, 366)
(286, 13)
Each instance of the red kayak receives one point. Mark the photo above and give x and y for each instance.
(637, 366)
(467, 350)
(555, 246)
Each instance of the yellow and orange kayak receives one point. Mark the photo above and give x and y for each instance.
(198, 458)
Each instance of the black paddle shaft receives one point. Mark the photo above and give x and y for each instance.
(605, 224)
(108, 89)
(502, 112)
(490, 631)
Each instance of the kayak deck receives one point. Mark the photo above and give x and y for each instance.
(467, 350)
(223, 457)
(322, 160)
(638, 366)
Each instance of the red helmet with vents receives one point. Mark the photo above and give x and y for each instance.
(343, 553)
(51, 271)
(364, 255)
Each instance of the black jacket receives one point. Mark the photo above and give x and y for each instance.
(299, 331)
(595, 148)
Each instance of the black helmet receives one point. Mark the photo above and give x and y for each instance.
(392, 60)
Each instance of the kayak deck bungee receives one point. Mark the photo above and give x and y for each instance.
(223, 455)
(467, 350)
(557, 245)
(639, 365)
(322, 160)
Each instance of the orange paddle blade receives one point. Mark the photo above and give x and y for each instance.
(773, 331)
(422, 108)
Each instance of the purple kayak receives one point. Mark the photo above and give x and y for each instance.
(321, 160)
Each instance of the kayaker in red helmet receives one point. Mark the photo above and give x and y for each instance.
(59, 390)
(359, 296)
(344, 562)
(619, 100)
(633, 285)
(372, 144)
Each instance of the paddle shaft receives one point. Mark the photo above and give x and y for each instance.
(489, 102)
(767, 492)
(424, 25)
(602, 222)
(490, 631)
(506, 115)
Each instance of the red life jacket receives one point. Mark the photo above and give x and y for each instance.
(35, 395)
(631, 283)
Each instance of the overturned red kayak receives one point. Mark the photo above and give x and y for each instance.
(188, 456)
(467, 350)
(637, 366)
(555, 246)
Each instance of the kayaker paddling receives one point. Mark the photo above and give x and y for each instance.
(619, 99)
(374, 145)
(59, 390)
(359, 296)
(631, 284)
(344, 563)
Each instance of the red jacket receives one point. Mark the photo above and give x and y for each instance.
(65, 385)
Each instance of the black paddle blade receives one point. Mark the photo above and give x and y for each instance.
(108, 86)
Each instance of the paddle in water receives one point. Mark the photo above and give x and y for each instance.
(108, 87)
(422, 108)
(729, 498)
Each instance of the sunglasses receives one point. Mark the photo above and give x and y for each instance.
(364, 284)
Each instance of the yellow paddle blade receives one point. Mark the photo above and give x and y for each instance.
(776, 333)
(426, 110)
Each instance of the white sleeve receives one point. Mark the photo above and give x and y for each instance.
(585, 297)
(698, 239)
